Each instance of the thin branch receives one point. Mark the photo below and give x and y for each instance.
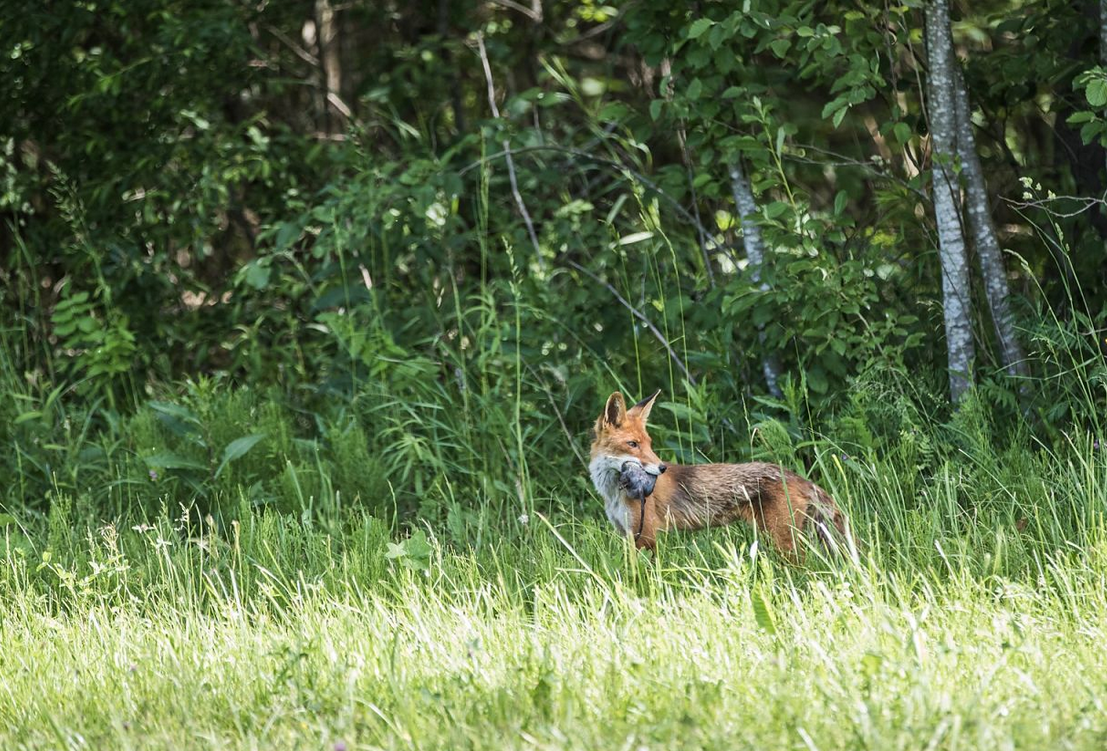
(534, 13)
(844, 160)
(677, 206)
(641, 317)
(339, 105)
(565, 428)
(507, 153)
(301, 53)
(1085, 203)
(332, 97)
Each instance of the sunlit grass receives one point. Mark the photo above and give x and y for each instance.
(180, 633)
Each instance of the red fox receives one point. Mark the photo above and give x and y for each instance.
(778, 501)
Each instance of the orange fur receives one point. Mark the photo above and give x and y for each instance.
(780, 503)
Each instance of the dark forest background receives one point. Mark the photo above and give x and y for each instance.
(292, 253)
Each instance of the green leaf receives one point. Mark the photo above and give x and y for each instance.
(6, 520)
(762, 612)
(835, 105)
(816, 378)
(780, 47)
(238, 448)
(695, 89)
(655, 108)
(287, 234)
(414, 552)
(775, 209)
(902, 132)
(169, 460)
(840, 201)
(175, 410)
(1096, 93)
(637, 237)
(699, 26)
(257, 274)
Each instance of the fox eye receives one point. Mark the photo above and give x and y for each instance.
(633, 444)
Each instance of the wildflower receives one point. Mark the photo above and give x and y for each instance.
(340, 746)
(153, 476)
(524, 519)
(1095, 444)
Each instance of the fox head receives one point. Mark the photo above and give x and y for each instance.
(620, 434)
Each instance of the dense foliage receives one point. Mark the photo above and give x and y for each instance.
(306, 309)
(312, 203)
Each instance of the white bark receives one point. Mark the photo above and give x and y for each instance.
(955, 268)
(746, 205)
(331, 60)
(988, 252)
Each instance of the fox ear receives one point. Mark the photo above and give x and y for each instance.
(642, 408)
(615, 411)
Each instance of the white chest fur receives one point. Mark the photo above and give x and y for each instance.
(605, 476)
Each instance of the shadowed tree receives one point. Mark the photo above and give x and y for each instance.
(984, 239)
(957, 311)
(746, 205)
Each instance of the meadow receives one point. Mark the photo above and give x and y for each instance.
(504, 625)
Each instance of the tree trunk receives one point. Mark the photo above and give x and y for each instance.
(331, 60)
(988, 252)
(755, 253)
(943, 140)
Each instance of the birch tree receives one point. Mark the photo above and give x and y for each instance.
(746, 206)
(330, 64)
(942, 107)
(983, 231)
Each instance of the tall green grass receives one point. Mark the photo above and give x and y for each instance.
(948, 631)
(360, 578)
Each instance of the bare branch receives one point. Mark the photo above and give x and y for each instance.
(507, 153)
(641, 317)
(300, 52)
(332, 96)
(639, 177)
(534, 12)
(1085, 203)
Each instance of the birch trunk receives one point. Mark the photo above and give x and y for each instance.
(984, 239)
(955, 269)
(331, 61)
(755, 253)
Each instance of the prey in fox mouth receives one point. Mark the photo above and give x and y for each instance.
(638, 481)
